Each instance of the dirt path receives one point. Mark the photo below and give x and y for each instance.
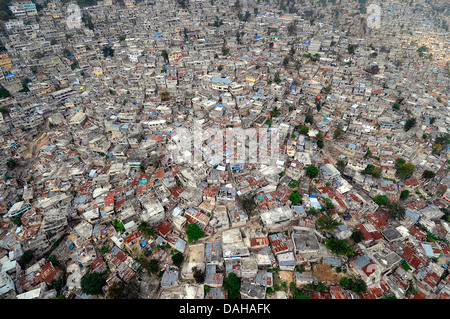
(34, 148)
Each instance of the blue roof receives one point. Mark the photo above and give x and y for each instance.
(362, 261)
(428, 250)
(220, 80)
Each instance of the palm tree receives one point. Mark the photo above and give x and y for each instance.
(11, 163)
(165, 96)
(165, 55)
(146, 229)
(275, 112)
(341, 164)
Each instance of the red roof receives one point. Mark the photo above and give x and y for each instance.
(48, 272)
(132, 237)
(98, 264)
(163, 228)
(337, 292)
(261, 241)
(109, 200)
(369, 235)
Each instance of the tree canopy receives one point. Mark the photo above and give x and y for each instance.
(92, 284)
(395, 211)
(4, 93)
(339, 131)
(404, 169)
(319, 140)
(372, 170)
(178, 258)
(356, 285)
(312, 171)
(232, 285)
(107, 51)
(309, 118)
(380, 199)
(404, 194)
(410, 123)
(304, 129)
(340, 247)
(194, 232)
(295, 198)
(327, 222)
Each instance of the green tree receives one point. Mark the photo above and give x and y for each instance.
(75, 64)
(276, 78)
(57, 285)
(26, 257)
(147, 230)
(118, 225)
(327, 222)
(380, 199)
(372, 170)
(53, 260)
(341, 164)
(232, 285)
(199, 275)
(312, 171)
(25, 85)
(294, 184)
(165, 96)
(178, 258)
(153, 266)
(319, 140)
(405, 265)
(396, 106)
(275, 112)
(11, 163)
(351, 48)
(295, 198)
(395, 211)
(108, 51)
(301, 294)
(92, 284)
(304, 129)
(357, 235)
(104, 249)
(339, 131)
(404, 169)
(404, 194)
(248, 203)
(194, 232)
(225, 50)
(410, 123)
(309, 118)
(340, 247)
(428, 174)
(165, 56)
(4, 93)
(356, 285)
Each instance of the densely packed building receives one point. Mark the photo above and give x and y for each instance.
(96, 101)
